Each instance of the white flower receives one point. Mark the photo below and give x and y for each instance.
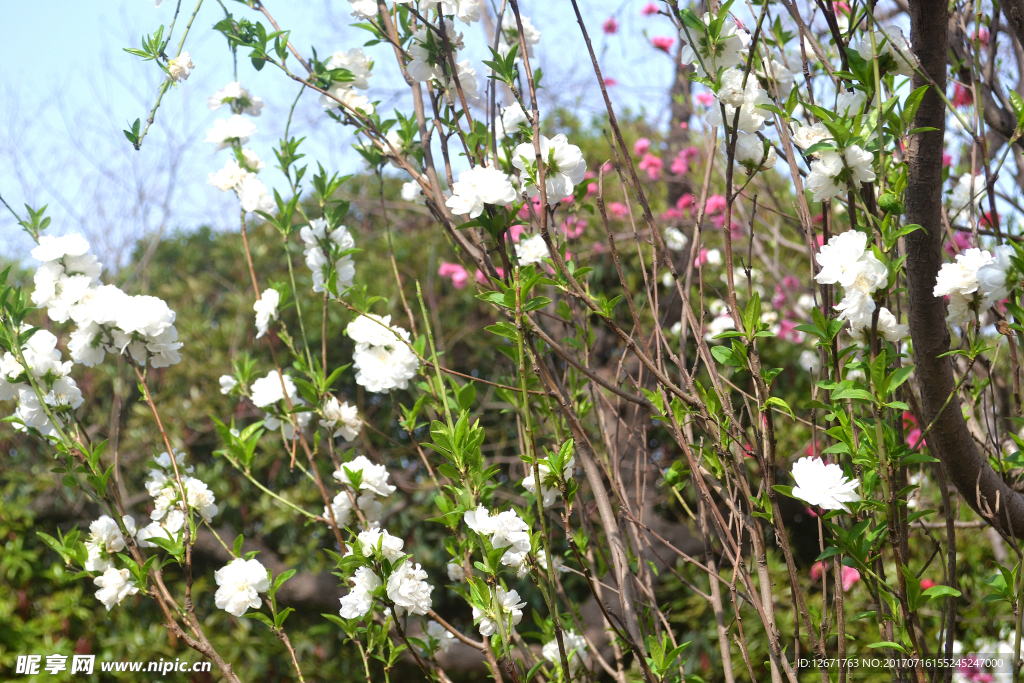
(105, 533)
(531, 250)
(781, 75)
(479, 520)
(810, 361)
(751, 154)
(718, 325)
(340, 93)
(200, 497)
(180, 67)
(356, 63)
(575, 650)
(889, 328)
(508, 603)
(266, 310)
(383, 358)
(511, 117)
(456, 572)
(412, 192)
(976, 279)
(390, 546)
(366, 9)
(847, 260)
(961, 196)
(823, 485)
(114, 587)
(859, 161)
(889, 43)
(806, 137)
(322, 251)
(510, 35)
(341, 417)
(439, 633)
(237, 98)
(549, 493)
(253, 195)
(359, 601)
(467, 81)
(675, 239)
(714, 257)
(239, 583)
(467, 11)
(564, 167)
(226, 131)
(730, 50)
(508, 529)
(374, 477)
(227, 384)
(408, 589)
(478, 186)
(342, 508)
(267, 391)
(53, 248)
(849, 103)
(228, 177)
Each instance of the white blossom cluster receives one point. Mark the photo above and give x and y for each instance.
(575, 651)
(239, 583)
(510, 34)
(967, 191)
(106, 539)
(846, 260)
(67, 285)
(59, 390)
(383, 358)
(114, 586)
(833, 169)
(344, 92)
(505, 529)
(509, 606)
(239, 174)
(373, 482)
(549, 493)
(430, 63)
(478, 186)
(342, 418)
(973, 282)
(531, 250)
(564, 167)
(270, 393)
(406, 586)
(325, 252)
(169, 511)
(180, 67)
(822, 484)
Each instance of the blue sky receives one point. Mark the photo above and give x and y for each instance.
(74, 89)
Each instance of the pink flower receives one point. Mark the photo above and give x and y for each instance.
(706, 98)
(598, 248)
(607, 167)
(736, 230)
(652, 165)
(962, 97)
(981, 36)
(457, 273)
(524, 210)
(618, 210)
(961, 242)
(817, 569)
(684, 125)
(610, 82)
(790, 282)
(610, 26)
(926, 584)
(649, 9)
(788, 331)
(663, 43)
(516, 231)
(641, 146)
(681, 164)
(842, 7)
(701, 259)
(591, 188)
(672, 214)
(482, 279)
(947, 160)
(716, 204)
(850, 577)
(685, 202)
(779, 298)
(913, 431)
(573, 227)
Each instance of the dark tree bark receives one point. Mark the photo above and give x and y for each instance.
(979, 484)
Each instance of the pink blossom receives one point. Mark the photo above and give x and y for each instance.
(927, 583)
(607, 167)
(598, 248)
(790, 282)
(591, 188)
(649, 9)
(842, 7)
(779, 298)
(456, 272)
(788, 331)
(684, 125)
(961, 241)
(573, 227)
(641, 146)
(671, 214)
(681, 164)
(652, 165)
(618, 210)
(610, 26)
(685, 202)
(482, 279)
(981, 36)
(850, 577)
(736, 230)
(589, 175)
(610, 82)
(817, 569)
(716, 204)
(947, 160)
(524, 210)
(663, 43)
(913, 431)
(701, 259)
(706, 98)
(962, 97)
(516, 231)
